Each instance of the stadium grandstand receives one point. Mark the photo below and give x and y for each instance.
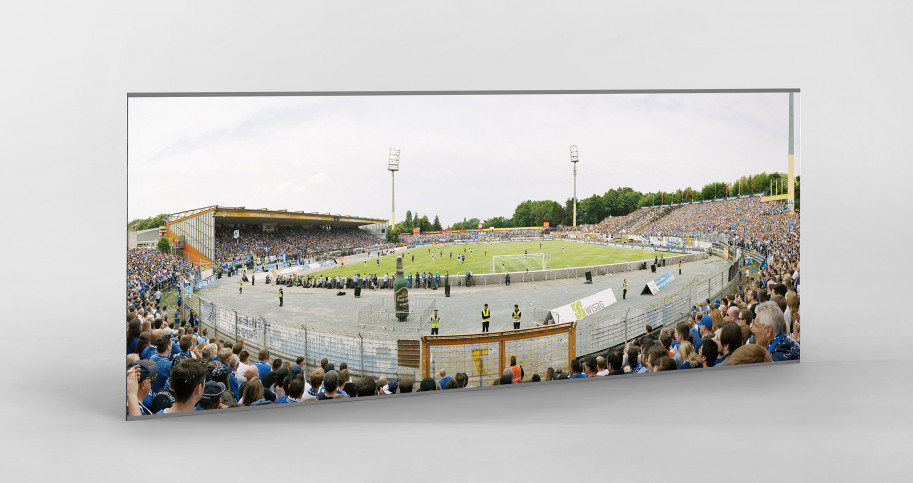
(755, 321)
(204, 239)
(220, 233)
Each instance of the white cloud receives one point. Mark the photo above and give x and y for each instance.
(462, 156)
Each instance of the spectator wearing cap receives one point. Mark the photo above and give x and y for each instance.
(506, 379)
(221, 373)
(262, 364)
(143, 373)
(187, 379)
(769, 330)
(162, 359)
(391, 387)
(212, 396)
(444, 379)
(705, 326)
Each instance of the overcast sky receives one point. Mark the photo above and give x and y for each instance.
(461, 156)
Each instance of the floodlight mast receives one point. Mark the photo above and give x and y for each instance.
(393, 167)
(574, 159)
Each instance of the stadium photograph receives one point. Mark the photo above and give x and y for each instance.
(296, 249)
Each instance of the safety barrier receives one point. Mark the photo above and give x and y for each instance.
(608, 329)
(484, 356)
(407, 354)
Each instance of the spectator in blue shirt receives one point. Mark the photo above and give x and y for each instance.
(444, 378)
(769, 330)
(133, 333)
(263, 366)
(575, 370)
(162, 359)
(187, 378)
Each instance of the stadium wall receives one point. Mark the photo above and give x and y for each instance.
(565, 273)
(199, 234)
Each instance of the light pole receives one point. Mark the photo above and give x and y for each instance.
(393, 167)
(574, 159)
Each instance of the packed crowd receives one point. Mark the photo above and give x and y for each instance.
(464, 236)
(289, 240)
(748, 223)
(150, 270)
(174, 367)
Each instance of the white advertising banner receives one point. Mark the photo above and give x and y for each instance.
(586, 306)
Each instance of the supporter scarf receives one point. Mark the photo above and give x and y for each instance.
(776, 341)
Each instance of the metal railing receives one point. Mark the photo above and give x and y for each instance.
(381, 314)
(397, 355)
(600, 331)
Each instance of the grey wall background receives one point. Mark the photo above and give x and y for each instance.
(841, 413)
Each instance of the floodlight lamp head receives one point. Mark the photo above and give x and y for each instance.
(574, 157)
(393, 162)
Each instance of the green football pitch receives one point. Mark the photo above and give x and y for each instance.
(573, 255)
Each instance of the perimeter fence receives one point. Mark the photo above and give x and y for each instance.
(406, 353)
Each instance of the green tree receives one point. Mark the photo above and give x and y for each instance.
(499, 222)
(164, 245)
(408, 222)
(437, 224)
(140, 224)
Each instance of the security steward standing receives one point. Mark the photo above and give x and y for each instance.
(280, 296)
(679, 267)
(486, 318)
(516, 316)
(624, 289)
(241, 287)
(435, 323)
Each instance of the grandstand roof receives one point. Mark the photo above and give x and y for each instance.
(241, 214)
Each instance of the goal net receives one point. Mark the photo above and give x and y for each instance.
(519, 263)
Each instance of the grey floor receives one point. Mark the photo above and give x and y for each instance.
(460, 313)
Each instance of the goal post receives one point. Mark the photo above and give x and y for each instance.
(519, 263)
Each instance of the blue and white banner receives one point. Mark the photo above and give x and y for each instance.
(654, 286)
(205, 282)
